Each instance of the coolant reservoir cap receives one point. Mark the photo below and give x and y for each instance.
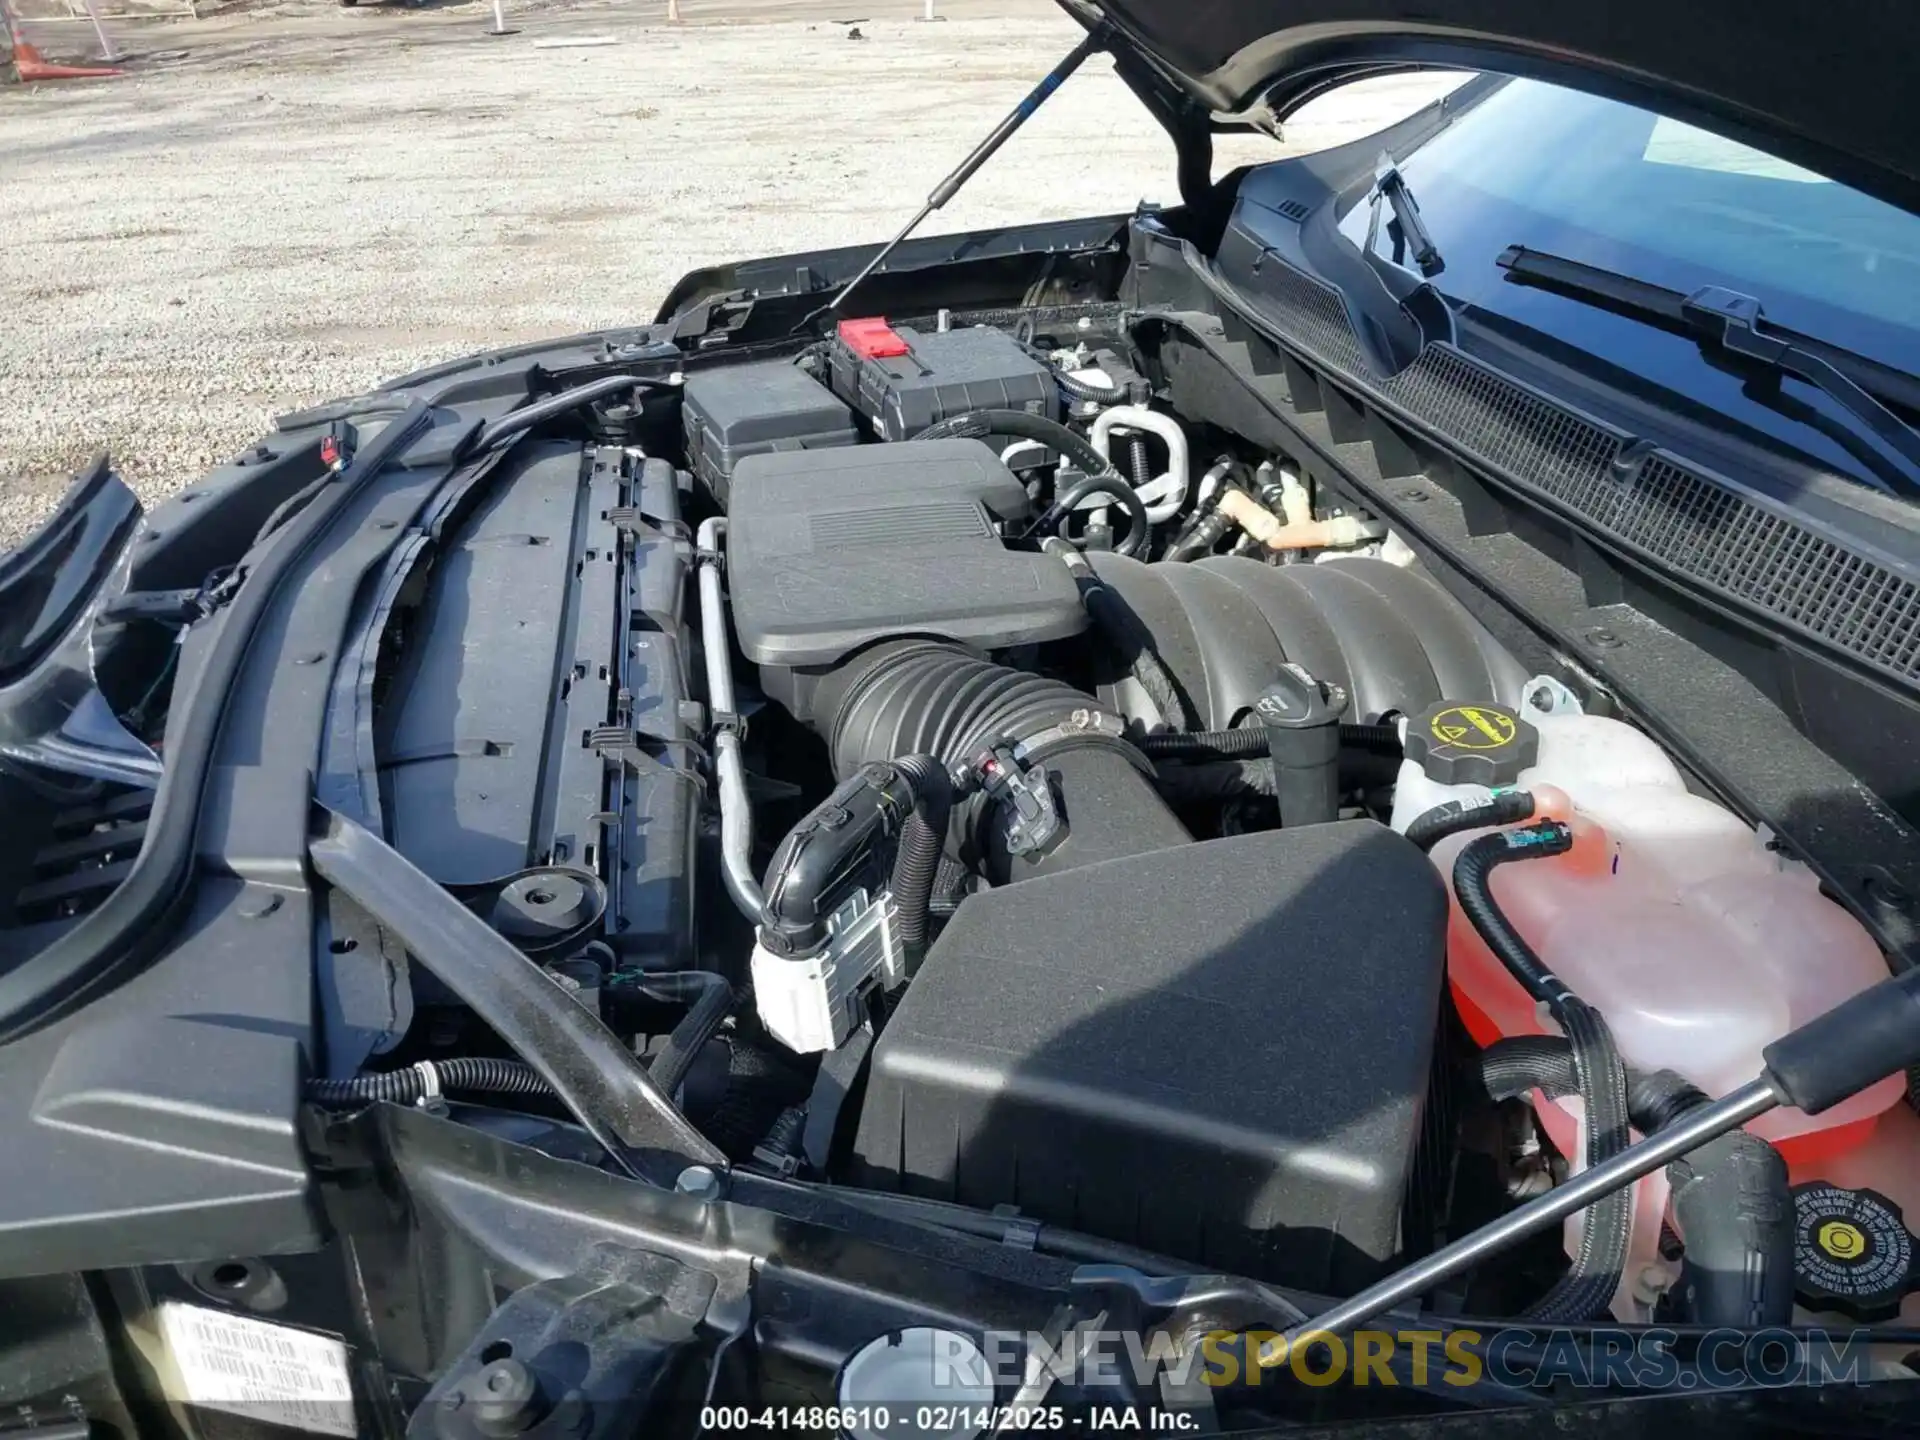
(1852, 1251)
(1471, 743)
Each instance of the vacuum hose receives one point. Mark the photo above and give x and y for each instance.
(1587, 1289)
(1731, 1197)
(1251, 743)
(1100, 477)
(711, 1000)
(1086, 390)
(403, 1087)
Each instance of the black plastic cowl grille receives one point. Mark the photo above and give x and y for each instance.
(1687, 521)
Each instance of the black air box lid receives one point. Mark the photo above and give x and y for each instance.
(830, 550)
(1218, 1051)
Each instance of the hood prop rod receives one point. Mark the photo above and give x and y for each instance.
(1096, 39)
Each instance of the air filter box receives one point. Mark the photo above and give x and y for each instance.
(903, 380)
(831, 550)
(764, 407)
(1217, 1051)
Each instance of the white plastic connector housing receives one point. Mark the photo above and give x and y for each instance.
(808, 1004)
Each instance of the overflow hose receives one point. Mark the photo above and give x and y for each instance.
(1588, 1288)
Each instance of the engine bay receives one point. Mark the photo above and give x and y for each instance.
(928, 771)
(1015, 796)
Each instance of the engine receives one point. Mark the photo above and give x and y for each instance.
(1095, 909)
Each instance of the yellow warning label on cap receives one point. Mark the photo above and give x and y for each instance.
(1474, 727)
(1841, 1240)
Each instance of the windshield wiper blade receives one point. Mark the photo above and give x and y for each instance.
(1390, 185)
(1735, 325)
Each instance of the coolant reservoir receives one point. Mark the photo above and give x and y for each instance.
(1669, 915)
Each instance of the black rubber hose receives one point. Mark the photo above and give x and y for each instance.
(1588, 1288)
(979, 424)
(404, 1087)
(1517, 1066)
(517, 422)
(1123, 630)
(1109, 484)
(1731, 1197)
(922, 841)
(1508, 808)
(1086, 390)
(1250, 743)
(1734, 1208)
(712, 1001)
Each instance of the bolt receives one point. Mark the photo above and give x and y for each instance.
(506, 1399)
(1415, 496)
(702, 1182)
(1081, 719)
(1604, 639)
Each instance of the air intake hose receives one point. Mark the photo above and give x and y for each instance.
(923, 697)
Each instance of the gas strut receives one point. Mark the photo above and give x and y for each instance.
(1856, 1044)
(948, 188)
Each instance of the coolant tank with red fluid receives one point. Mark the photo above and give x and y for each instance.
(1669, 915)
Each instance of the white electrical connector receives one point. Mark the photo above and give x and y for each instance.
(808, 1004)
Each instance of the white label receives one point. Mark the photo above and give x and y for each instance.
(266, 1372)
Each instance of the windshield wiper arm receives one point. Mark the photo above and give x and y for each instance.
(1390, 185)
(1736, 324)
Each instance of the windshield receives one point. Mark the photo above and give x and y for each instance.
(1631, 191)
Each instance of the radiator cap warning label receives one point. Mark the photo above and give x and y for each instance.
(1473, 743)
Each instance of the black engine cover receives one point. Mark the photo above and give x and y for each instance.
(1219, 1052)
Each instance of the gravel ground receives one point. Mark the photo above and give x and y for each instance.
(310, 199)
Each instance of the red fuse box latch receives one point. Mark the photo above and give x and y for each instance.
(872, 338)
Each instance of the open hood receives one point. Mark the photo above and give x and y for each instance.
(1827, 86)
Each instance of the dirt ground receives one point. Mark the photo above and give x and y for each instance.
(287, 202)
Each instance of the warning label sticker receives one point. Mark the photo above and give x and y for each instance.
(266, 1372)
(1475, 727)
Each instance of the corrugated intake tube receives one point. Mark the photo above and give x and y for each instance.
(1588, 1288)
(932, 698)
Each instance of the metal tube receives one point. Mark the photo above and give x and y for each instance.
(1694, 1130)
(736, 809)
(1096, 39)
